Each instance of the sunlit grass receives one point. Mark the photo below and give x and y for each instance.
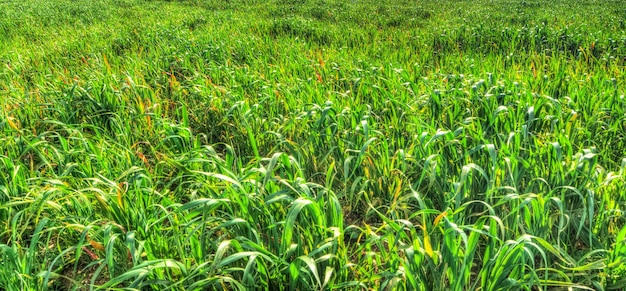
(312, 145)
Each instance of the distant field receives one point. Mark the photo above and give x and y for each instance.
(312, 145)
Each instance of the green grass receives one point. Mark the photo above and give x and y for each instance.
(312, 145)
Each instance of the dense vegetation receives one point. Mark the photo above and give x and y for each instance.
(312, 145)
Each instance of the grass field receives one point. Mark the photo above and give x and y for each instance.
(312, 145)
